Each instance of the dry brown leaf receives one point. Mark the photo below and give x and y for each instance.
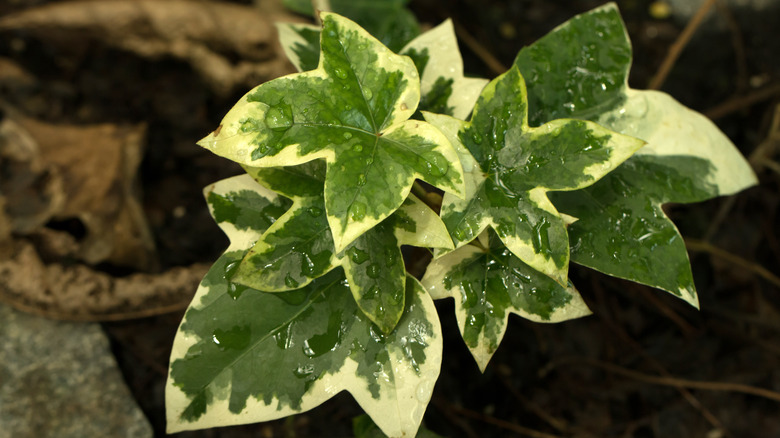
(80, 293)
(205, 34)
(62, 172)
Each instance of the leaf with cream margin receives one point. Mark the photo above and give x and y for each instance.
(298, 247)
(490, 283)
(243, 356)
(580, 70)
(389, 20)
(352, 110)
(511, 167)
(435, 53)
(444, 88)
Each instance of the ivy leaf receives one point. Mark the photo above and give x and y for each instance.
(643, 245)
(512, 166)
(242, 355)
(580, 70)
(298, 248)
(352, 110)
(444, 88)
(301, 44)
(490, 283)
(389, 20)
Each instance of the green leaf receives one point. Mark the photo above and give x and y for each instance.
(242, 355)
(239, 205)
(580, 70)
(352, 110)
(642, 245)
(388, 20)
(298, 247)
(301, 44)
(680, 138)
(510, 168)
(490, 283)
(444, 88)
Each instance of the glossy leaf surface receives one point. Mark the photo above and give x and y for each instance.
(642, 245)
(352, 110)
(591, 55)
(445, 90)
(490, 283)
(242, 355)
(511, 167)
(298, 248)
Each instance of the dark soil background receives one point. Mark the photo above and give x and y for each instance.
(644, 365)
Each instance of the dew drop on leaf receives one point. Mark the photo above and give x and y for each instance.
(372, 292)
(357, 255)
(236, 338)
(436, 164)
(397, 296)
(341, 73)
(476, 137)
(357, 211)
(290, 282)
(361, 180)
(358, 148)
(278, 119)
(347, 135)
(315, 211)
(368, 94)
(459, 233)
(373, 270)
(391, 256)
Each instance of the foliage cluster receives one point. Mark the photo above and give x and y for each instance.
(370, 148)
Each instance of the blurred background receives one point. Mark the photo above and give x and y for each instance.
(104, 234)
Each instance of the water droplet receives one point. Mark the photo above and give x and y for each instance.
(357, 148)
(373, 270)
(435, 163)
(347, 135)
(290, 282)
(373, 292)
(357, 211)
(348, 107)
(361, 180)
(369, 161)
(423, 391)
(459, 234)
(391, 256)
(368, 94)
(236, 338)
(278, 119)
(283, 337)
(340, 72)
(397, 296)
(315, 211)
(357, 255)
(362, 46)
(476, 137)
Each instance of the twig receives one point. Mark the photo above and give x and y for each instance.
(679, 383)
(677, 47)
(490, 61)
(739, 102)
(699, 245)
(525, 431)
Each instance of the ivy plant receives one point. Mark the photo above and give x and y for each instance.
(367, 149)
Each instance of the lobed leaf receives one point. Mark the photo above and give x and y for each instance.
(242, 355)
(591, 56)
(643, 245)
(298, 247)
(352, 110)
(512, 167)
(489, 283)
(444, 89)
(389, 20)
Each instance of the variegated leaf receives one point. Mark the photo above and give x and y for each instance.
(352, 110)
(488, 283)
(512, 167)
(580, 70)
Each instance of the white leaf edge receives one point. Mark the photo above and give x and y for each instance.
(401, 418)
(670, 128)
(289, 37)
(433, 281)
(445, 61)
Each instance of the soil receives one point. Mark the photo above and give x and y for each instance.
(643, 365)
